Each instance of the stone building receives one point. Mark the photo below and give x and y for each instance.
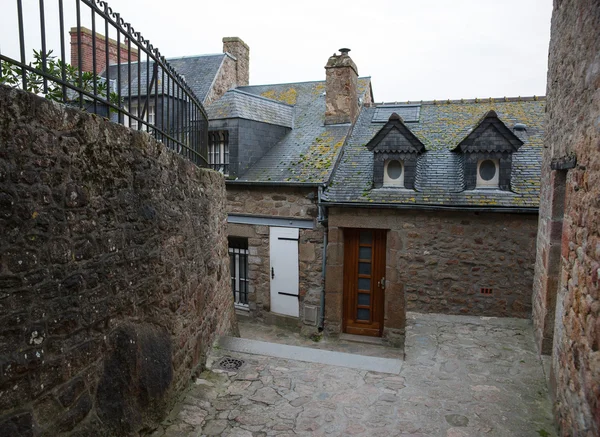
(433, 202)
(440, 197)
(283, 143)
(433, 208)
(566, 305)
(146, 91)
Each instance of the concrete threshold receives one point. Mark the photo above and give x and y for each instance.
(341, 359)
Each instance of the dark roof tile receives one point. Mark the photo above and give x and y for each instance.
(439, 176)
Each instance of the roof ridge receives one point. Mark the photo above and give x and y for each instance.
(459, 101)
(197, 56)
(144, 61)
(292, 83)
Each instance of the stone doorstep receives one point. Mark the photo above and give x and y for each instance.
(363, 339)
(242, 312)
(282, 321)
(340, 359)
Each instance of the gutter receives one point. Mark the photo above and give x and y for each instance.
(506, 209)
(274, 184)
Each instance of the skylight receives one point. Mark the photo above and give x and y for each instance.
(409, 113)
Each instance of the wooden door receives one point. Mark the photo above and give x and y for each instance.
(364, 281)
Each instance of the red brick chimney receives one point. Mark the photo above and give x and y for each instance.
(87, 51)
(240, 50)
(341, 96)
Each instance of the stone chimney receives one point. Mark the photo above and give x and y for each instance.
(238, 48)
(87, 62)
(341, 96)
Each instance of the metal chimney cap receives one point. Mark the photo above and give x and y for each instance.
(344, 51)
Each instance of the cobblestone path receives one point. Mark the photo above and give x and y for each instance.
(462, 376)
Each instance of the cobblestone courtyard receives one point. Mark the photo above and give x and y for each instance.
(461, 376)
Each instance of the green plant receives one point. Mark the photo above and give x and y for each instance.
(12, 76)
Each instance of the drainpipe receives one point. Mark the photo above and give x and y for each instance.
(322, 321)
(323, 221)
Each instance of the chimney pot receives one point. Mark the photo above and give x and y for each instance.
(344, 51)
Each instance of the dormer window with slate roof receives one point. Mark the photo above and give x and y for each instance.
(487, 151)
(395, 149)
(218, 151)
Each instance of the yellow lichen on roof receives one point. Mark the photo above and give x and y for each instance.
(288, 96)
(451, 122)
(318, 159)
(319, 88)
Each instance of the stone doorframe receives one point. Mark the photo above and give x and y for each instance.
(394, 319)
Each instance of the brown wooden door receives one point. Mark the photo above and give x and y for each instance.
(364, 281)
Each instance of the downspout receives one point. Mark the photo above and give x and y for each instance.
(322, 219)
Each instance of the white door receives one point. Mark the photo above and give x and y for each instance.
(284, 271)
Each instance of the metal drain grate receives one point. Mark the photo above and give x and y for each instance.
(228, 363)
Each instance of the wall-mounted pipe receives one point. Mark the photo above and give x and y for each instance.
(323, 221)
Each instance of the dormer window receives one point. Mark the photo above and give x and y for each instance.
(218, 151)
(393, 174)
(488, 171)
(395, 150)
(487, 154)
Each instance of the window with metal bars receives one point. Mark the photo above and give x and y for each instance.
(238, 258)
(218, 151)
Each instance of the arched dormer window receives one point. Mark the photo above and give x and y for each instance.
(488, 171)
(393, 173)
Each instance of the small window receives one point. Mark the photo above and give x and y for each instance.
(136, 110)
(238, 265)
(218, 151)
(393, 173)
(487, 173)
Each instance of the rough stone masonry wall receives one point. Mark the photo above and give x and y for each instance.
(278, 202)
(437, 262)
(224, 81)
(573, 130)
(114, 274)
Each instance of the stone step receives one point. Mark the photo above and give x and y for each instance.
(341, 359)
(362, 339)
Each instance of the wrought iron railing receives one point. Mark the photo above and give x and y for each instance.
(117, 73)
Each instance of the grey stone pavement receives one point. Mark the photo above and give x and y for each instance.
(460, 377)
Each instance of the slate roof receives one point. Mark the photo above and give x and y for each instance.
(240, 104)
(199, 73)
(439, 176)
(310, 150)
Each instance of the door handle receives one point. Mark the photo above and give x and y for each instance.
(381, 283)
(272, 273)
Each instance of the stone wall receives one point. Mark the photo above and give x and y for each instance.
(437, 262)
(114, 274)
(567, 285)
(224, 81)
(278, 202)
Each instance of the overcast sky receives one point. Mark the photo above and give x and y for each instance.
(413, 50)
